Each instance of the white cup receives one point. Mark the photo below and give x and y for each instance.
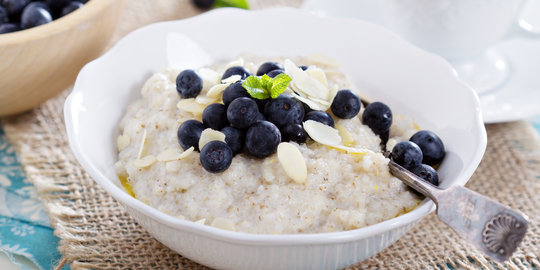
(461, 31)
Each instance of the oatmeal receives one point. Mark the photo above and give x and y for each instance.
(338, 179)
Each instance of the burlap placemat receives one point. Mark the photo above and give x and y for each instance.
(97, 233)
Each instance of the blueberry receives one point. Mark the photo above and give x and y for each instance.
(304, 68)
(214, 116)
(295, 133)
(346, 104)
(427, 173)
(275, 72)
(261, 103)
(378, 117)
(234, 138)
(70, 7)
(242, 112)
(431, 145)
(320, 116)
(407, 154)
(262, 139)
(203, 4)
(57, 4)
(188, 84)
(216, 156)
(189, 134)
(307, 109)
(236, 70)
(9, 27)
(283, 111)
(14, 7)
(3, 15)
(234, 91)
(34, 15)
(267, 67)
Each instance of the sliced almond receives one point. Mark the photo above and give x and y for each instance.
(143, 143)
(346, 137)
(209, 135)
(191, 106)
(186, 153)
(322, 133)
(122, 142)
(169, 155)
(304, 83)
(224, 223)
(145, 161)
(231, 79)
(209, 76)
(317, 74)
(292, 162)
(312, 104)
(351, 150)
(204, 100)
(216, 90)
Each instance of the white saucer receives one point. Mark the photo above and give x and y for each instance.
(517, 98)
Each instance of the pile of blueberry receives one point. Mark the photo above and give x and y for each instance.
(424, 150)
(18, 15)
(255, 126)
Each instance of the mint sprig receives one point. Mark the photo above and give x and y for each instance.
(264, 87)
(231, 3)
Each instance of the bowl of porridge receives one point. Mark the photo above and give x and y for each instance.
(308, 187)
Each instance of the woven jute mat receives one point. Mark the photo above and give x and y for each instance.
(96, 232)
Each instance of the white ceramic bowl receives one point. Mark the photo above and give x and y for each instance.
(381, 65)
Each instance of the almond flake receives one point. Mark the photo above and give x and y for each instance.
(351, 150)
(231, 79)
(304, 83)
(141, 147)
(122, 142)
(237, 62)
(209, 76)
(224, 223)
(317, 74)
(187, 152)
(216, 90)
(191, 106)
(312, 104)
(204, 100)
(209, 135)
(346, 137)
(292, 162)
(169, 155)
(322, 59)
(145, 161)
(322, 133)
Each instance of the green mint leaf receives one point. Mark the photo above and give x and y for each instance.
(279, 84)
(231, 3)
(266, 82)
(254, 87)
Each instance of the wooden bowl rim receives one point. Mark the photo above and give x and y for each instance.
(89, 10)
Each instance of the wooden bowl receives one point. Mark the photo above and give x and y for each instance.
(38, 63)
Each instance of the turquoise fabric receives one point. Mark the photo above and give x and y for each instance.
(536, 123)
(24, 225)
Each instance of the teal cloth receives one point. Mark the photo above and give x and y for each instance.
(24, 225)
(536, 123)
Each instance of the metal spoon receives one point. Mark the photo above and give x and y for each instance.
(493, 228)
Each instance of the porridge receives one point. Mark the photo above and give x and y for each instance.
(327, 176)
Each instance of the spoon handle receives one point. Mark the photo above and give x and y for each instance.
(493, 228)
